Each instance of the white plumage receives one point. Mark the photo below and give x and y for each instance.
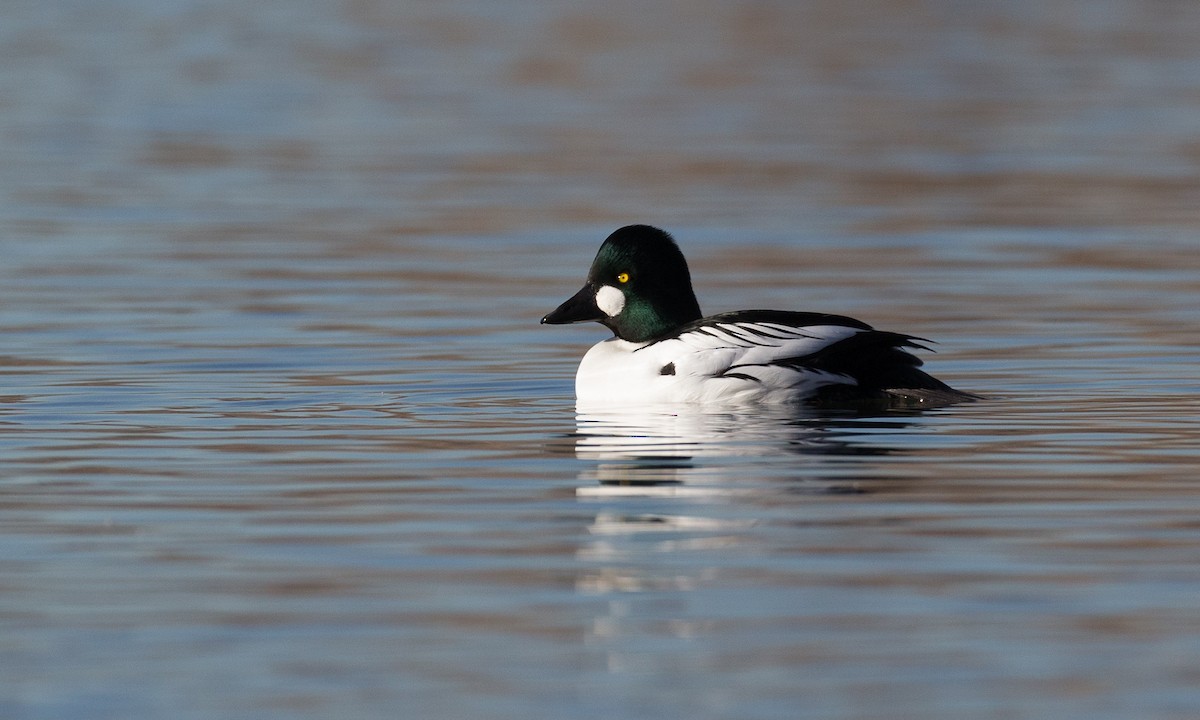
(730, 362)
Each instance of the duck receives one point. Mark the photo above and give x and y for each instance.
(664, 350)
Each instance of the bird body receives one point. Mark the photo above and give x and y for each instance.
(664, 351)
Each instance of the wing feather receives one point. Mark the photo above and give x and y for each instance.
(753, 351)
(761, 354)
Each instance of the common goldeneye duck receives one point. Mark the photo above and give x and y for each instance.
(664, 350)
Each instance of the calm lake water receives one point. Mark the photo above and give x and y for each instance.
(281, 437)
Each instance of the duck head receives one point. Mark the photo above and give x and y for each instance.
(638, 286)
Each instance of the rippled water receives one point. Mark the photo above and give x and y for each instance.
(281, 436)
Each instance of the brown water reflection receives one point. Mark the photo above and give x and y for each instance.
(280, 435)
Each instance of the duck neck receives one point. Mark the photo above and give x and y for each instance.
(643, 320)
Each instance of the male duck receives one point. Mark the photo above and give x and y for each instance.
(665, 351)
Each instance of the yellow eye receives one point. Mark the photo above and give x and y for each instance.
(623, 277)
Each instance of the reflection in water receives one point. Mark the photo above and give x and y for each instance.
(688, 496)
(682, 450)
(684, 431)
(706, 458)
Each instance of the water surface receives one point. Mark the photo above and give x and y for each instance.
(281, 436)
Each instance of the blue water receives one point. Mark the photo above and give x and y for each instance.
(281, 437)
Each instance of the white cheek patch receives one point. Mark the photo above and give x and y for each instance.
(610, 300)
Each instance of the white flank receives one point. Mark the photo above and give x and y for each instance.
(720, 363)
(610, 300)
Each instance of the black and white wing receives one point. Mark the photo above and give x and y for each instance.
(785, 349)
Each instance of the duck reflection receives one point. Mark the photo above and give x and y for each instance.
(733, 470)
(705, 452)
